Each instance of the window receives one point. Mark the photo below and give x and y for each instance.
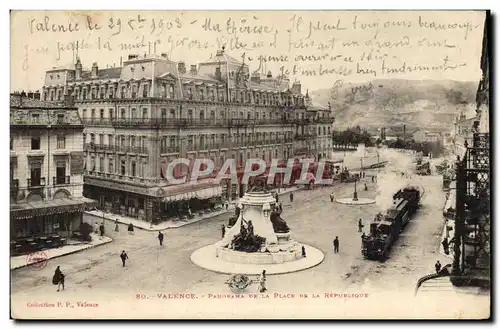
(122, 169)
(171, 92)
(111, 92)
(123, 91)
(122, 113)
(110, 140)
(101, 139)
(172, 141)
(144, 113)
(92, 114)
(93, 93)
(202, 115)
(84, 94)
(134, 91)
(111, 114)
(133, 168)
(84, 113)
(101, 164)
(101, 93)
(145, 91)
(132, 141)
(35, 176)
(60, 119)
(61, 142)
(110, 166)
(92, 139)
(134, 113)
(11, 143)
(164, 115)
(35, 118)
(35, 143)
(101, 114)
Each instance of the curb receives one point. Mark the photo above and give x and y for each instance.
(69, 253)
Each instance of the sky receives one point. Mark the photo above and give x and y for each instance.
(314, 47)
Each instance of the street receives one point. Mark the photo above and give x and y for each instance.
(313, 219)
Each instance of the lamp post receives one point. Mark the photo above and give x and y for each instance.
(355, 196)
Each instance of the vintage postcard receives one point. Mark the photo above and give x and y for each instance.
(249, 165)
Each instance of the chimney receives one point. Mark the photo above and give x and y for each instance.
(182, 67)
(255, 77)
(68, 100)
(194, 70)
(218, 74)
(296, 87)
(164, 55)
(269, 74)
(94, 70)
(78, 69)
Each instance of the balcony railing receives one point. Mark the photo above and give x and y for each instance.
(36, 182)
(97, 122)
(115, 148)
(61, 180)
(170, 149)
(303, 137)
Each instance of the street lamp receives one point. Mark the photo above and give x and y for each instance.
(355, 196)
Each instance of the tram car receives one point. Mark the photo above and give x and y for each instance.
(385, 228)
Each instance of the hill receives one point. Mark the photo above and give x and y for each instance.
(384, 103)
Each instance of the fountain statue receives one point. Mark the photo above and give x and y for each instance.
(257, 238)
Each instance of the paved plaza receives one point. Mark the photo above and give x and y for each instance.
(313, 219)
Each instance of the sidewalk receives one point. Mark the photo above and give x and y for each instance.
(71, 248)
(143, 225)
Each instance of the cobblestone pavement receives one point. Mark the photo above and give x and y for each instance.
(314, 220)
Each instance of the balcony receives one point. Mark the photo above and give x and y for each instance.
(115, 148)
(97, 122)
(170, 149)
(324, 120)
(36, 183)
(303, 137)
(131, 149)
(14, 184)
(61, 180)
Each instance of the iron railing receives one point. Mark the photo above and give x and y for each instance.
(36, 182)
(61, 180)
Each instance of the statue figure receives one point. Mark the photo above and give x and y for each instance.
(232, 221)
(246, 240)
(258, 186)
(279, 224)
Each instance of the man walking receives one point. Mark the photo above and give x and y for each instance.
(262, 282)
(446, 246)
(160, 238)
(280, 207)
(360, 225)
(291, 196)
(223, 230)
(438, 267)
(124, 257)
(96, 228)
(336, 245)
(332, 197)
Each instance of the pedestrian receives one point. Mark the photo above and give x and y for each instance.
(446, 246)
(101, 229)
(116, 225)
(291, 196)
(373, 179)
(438, 267)
(227, 205)
(124, 257)
(58, 278)
(366, 187)
(332, 197)
(96, 228)
(262, 282)
(130, 228)
(303, 251)
(276, 196)
(280, 207)
(223, 229)
(160, 238)
(360, 225)
(336, 245)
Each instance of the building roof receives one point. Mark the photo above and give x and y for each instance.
(108, 73)
(20, 101)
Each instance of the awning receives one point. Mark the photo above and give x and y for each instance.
(189, 191)
(50, 207)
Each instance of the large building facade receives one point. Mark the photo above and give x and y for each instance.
(143, 115)
(46, 169)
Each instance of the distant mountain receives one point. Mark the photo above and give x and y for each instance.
(428, 104)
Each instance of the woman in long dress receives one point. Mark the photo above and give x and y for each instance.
(262, 282)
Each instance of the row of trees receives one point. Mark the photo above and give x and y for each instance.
(436, 148)
(352, 136)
